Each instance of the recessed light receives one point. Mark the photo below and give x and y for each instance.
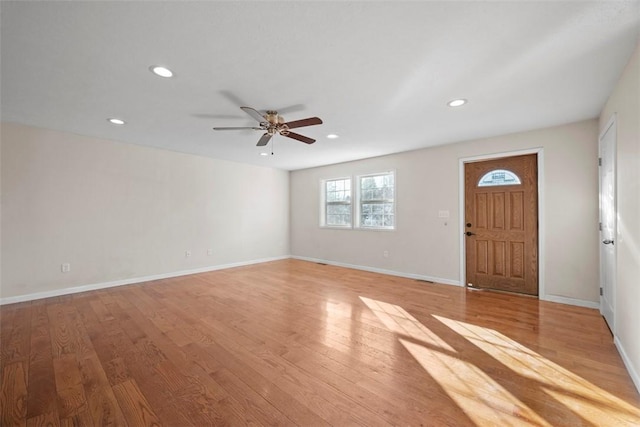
(115, 121)
(161, 71)
(264, 154)
(457, 102)
(332, 136)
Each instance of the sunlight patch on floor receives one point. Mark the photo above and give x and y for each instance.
(582, 397)
(476, 393)
(481, 398)
(399, 321)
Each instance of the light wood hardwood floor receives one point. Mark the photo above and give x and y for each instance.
(298, 343)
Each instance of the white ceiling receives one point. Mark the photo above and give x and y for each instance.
(378, 73)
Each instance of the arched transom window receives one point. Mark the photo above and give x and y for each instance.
(498, 177)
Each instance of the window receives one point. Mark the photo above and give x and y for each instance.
(337, 203)
(376, 202)
(498, 177)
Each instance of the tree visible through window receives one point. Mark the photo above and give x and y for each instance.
(338, 202)
(377, 201)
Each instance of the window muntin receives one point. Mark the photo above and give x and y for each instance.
(337, 202)
(376, 202)
(499, 177)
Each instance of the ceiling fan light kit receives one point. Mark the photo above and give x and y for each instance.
(272, 123)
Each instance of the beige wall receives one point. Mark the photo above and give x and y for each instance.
(117, 211)
(428, 181)
(625, 103)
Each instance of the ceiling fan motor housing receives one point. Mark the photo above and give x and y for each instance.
(273, 117)
(276, 123)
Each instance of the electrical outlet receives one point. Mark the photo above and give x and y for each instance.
(209, 252)
(385, 254)
(66, 267)
(187, 254)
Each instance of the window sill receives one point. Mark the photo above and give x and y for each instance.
(375, 228)
(348, 227)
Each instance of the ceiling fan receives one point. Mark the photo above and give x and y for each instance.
(271, 123)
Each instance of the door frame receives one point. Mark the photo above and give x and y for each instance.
(611, 123)
(539, 151)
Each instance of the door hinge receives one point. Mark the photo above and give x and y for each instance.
(599, 161)
(600, 291)
(600, 226)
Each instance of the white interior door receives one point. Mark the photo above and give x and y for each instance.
(608, 223)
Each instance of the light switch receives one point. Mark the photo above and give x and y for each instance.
(443, 214)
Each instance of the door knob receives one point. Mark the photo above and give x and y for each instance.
(468, 233)
(608, 242)
(468, 224)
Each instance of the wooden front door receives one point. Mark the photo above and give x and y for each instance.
(501, 224)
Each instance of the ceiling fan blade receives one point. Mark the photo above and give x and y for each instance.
(254, 113)
(264, 140)
(237, 128)
(304, 122)
(299, 137)
(290, 109)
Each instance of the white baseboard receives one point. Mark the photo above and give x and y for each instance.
(551, 298)
(104, 285)
(635, 377)
(381, 271)
(570, 301)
